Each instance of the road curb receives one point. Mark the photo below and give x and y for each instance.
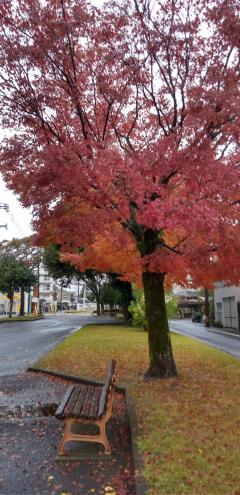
(22, 321)
(140, 483)
(228, 334)
(72, 378)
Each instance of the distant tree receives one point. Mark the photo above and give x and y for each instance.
(14, 276)
(24, 251)
(59, 270)
(125, 289)
(66, 272)
(111, 296)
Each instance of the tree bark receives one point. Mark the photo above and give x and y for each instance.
(126, 290)
(29, 300)
(162, 363)
(207, 312)
(98, 307)
(10, 305)
(21, 312)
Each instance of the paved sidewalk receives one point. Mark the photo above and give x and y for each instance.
(232, 332)
(29, 445)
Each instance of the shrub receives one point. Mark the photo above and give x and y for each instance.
(137, 307)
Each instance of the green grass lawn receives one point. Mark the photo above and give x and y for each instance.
(189, 431)
(20, 318)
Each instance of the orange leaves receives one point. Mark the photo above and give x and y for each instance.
(114, 250)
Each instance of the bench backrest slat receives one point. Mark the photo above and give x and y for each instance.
(111, 371)
(106, 389)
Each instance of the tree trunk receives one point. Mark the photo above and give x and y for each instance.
(21, 312)
(98, 307)
(29, 300)
(162, 363)
(127, 297)
(10, 305)
(207, 315)
(61, 297)
(102, 308)
(112, 309)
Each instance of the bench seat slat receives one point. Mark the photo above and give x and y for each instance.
(93, 413)
(81, 397)
(60, 410)
(87, 402)
(68, 412)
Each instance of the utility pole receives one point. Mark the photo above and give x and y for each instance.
(4, 206)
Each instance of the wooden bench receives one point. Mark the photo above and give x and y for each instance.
(87, 404)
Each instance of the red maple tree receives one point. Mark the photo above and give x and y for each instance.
(128, 115)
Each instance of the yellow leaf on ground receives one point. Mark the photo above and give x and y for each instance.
(110, 490)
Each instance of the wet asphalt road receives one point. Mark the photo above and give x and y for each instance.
(226, 343)
(23, 343)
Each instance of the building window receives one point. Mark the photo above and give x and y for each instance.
(230, 312)
(45, 287)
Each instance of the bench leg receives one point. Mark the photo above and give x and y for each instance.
(68, 436)
(65, 438)
(103, 438)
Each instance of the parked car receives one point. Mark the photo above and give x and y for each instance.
(197, 318)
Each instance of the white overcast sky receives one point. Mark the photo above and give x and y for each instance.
(18, 219)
